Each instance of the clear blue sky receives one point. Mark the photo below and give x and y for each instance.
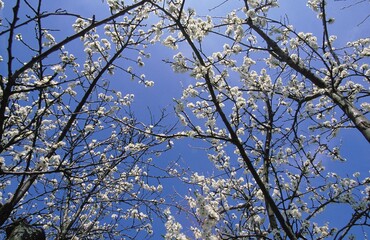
(168, 85)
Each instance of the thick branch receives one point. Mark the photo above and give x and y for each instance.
(23, 189)
(356, 116)
(234, 137)
(12, 77)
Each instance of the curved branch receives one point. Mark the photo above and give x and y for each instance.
(12, 77)
(356, 116)
(7, 208)
(234, 137)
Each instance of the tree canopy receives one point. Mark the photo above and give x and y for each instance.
(251, 143)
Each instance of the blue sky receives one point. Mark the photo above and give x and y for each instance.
(168, 85)
(354, 147)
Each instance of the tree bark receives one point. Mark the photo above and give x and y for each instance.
(356, 116)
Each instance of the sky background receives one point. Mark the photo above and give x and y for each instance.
(169, 85)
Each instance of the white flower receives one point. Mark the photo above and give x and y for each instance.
(50, 38)
(179, 107)
(173, 228)
(140, 62)
(258, 220)
(179, 65)
(170, 42)
(42, 164)
(57, 68)
(18, 37)
(240, 102)
(251, 13)
(89, 128)
(182, 120)
(149, 83)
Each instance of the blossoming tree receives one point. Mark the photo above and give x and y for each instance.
(271, 101)
(267, 101)
(72, 159)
